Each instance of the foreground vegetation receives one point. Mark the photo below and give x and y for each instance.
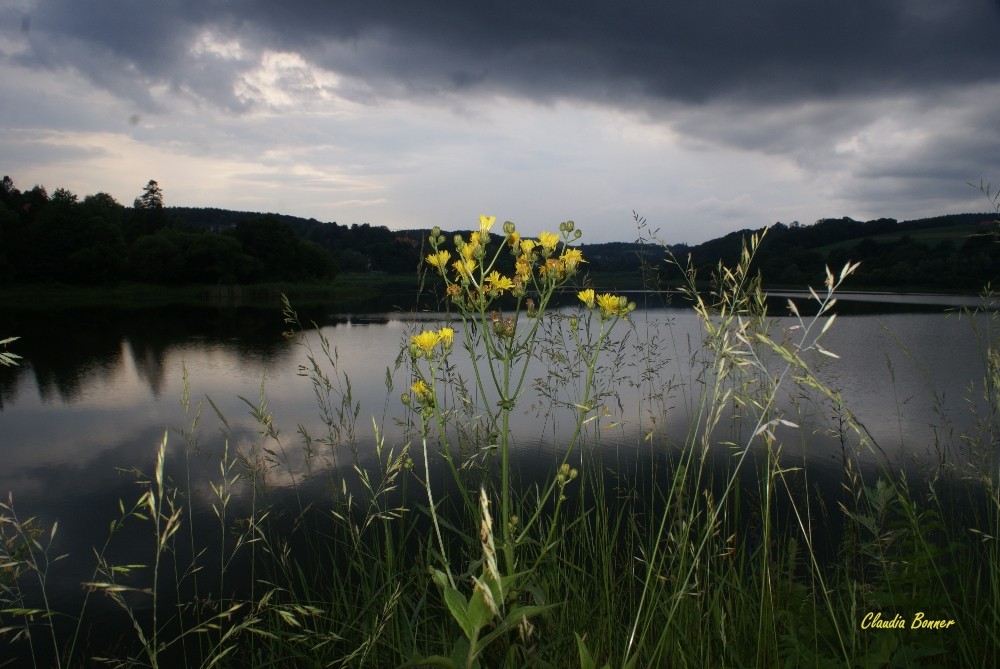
(433, 551)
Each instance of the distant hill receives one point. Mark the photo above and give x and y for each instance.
(96, 240)
(958, 252)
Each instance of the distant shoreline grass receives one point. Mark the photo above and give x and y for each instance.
(348, 291)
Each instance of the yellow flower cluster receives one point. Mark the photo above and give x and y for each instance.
(537, 262)
(426, 343)
(609, 305)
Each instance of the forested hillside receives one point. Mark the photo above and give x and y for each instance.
(954, 252)
(58, 237)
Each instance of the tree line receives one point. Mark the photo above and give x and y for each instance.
(58, 237)
(959, 252)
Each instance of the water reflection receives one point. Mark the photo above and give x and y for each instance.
(66, 353)
(92, 378)
(98, 389)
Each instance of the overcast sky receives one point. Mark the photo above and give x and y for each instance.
(704, 116)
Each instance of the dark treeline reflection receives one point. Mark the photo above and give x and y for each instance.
(61, 349)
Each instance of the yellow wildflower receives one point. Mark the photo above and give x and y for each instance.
(523, 268)
(552, 269)
(439, 259)
(549, 241)
(485, 223)
(426, 341)
(514, 239)
(447, 337)
(464, 267)
(499, 283)
(608, 304)
(587, 297)
(571, 258)
(527, 246)
(420, 389)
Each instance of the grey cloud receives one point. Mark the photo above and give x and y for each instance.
(29, 152)
(689, 52)
(618, 53)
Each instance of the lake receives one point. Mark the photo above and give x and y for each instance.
(98, 388)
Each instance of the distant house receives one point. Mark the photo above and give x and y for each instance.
(406, 239)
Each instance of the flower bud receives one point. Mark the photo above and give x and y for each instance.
(508, 227)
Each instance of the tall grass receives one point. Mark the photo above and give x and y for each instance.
(430, 546)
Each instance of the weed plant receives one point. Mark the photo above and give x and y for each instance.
(430, 547)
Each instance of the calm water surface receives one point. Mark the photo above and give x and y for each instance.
(97, 389)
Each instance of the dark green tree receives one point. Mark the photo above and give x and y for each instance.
(283, 256)
(151, 198)
(212, 258)
(147, 215)
(156, 259)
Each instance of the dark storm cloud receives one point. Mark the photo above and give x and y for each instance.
(774, 51)
(690, 51)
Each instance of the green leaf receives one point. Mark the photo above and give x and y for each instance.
(460, 652)
(459, 606)
(586, 661)
(526, 611)
(479, 611)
